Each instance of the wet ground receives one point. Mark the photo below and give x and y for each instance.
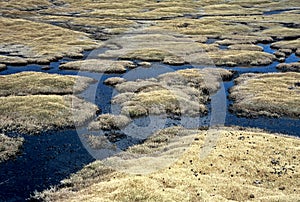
(48, 158)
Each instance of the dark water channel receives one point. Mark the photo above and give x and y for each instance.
(52, 156)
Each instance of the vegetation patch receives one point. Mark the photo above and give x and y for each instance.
(242, 164)
(147, 55)
(249, 47)
(39, 42)
(36, 113)
(2, 67)
(298, 52)
(282, 32)
(273, 94)
(114, 81)
(180, 92)
(9, 147)
(289, 67)
(32, 83)
(97, 65)
(99, 142)
(109, 122)
(241, 57)
(291, 44)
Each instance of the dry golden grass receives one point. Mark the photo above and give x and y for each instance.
(290, 67)
(242, 165)
(273, 94)
(25, 4)
(291, 44)
(36, 113)
(156, 45)
(2, 67)
(243, 39)
(32, 83)
(249, 47)
(241, 57)
(9, 147)
(180, 92)
(205, 26)
(41, 43)
(112, 81)
(12, 60)
(95, 26)
(99, 142)
(99, 65)
(282, 32)
(229, 9)
(147, 55)
(109, 122)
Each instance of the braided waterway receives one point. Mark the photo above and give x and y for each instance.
(49, 157)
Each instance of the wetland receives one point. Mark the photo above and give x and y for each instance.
(149, 100)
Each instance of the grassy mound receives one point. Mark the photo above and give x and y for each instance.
(241, 165)
(39, 42)
(101, 66)
(9, 147)
(114, 81)
(2, 67)
(290, 67)
(32, 83)
(273, 94)
(182, 92)
(109, 122)
(35, 113)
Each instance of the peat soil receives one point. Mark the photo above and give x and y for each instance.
(52, 156)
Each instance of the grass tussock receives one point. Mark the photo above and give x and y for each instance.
(99, 142)
(243, 39)
(273, 94)
(147, 55)
(241, 165)
(282, 32)
(109, 122)
(97, 65)
(12, 60)
(291, 44)
(249, 47)
(182, 92)
(40, 42)
(241, 57)
(114, 81)
(155, 45)
(27, 5)
(9, 147)
(32, 83)
(2, 67)
(289, 67)
(36, 113)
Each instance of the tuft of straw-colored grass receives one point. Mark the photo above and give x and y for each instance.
(272, 94)
(97, 65)
(40, 42)
(109, 122)
(9, 147)
(36, 113)
(32, 83)
(180, 92)
(287, 67)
